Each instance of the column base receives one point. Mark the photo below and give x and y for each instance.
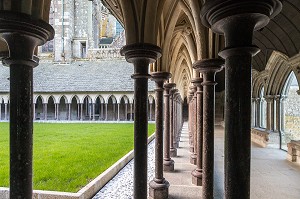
(168, 165)
(197, 177)
(159, 189)
(173, 152)
(193, 159)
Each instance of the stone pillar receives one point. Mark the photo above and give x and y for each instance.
(126, 111)
(106, 111)
(22, 35)
(258, 112)
(81, 112)
(270, 112)
(197, 173)
(141, 55)
(253, 115)
(131, 112)
(193, 157)
(46, 111)
(5, 111)
(69, 111)
(78, 111)
(191, 118)
(118, 111)
(57, 111)
(101, 111)
(224, 17)
(93, 111)
(150, 111)
(33, 111)
(173, 150)
(168, 162)
(175, 120)
(208, 68)
(159, 187)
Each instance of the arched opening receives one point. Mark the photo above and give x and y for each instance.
(151, 108)
(62, 113)
(51, 109)
(87, 108)
(291, 128)
(111, 108)
(123, 108)
(74, 115)
(99, 108)
(263, 109)
(39, 109)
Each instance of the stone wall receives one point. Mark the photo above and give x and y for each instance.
(292, 115)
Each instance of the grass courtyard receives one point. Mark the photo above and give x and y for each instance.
(68, 156)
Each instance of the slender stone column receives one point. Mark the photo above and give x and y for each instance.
(126, 104)
(209, 68)
(190, 122)
(101, 111)
(197, 173)
(131, 112)
(5, 111)
(46, 111)
(173, 150)
(168, 162)
(224, 17)
(175, 120)
(106, 112)
(258, 112)
(93, 104)
(33, 111)
(253, 115)
(141, 55)
(118, 111)
(22, 35)
(55, 114)
(81, 111)
(278, 113)
(193, 157)
(150, 111)
(57, 111)
(272, 115)
(270, 110)
(159, 187)
(78, 111)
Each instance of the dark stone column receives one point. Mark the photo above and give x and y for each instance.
(209, 68)
(168, 162)
(193, 157)
(22, 35)
(159, 187)
(190, 122)
(237, 20)
(175, 121)
(141, 55)
(173, 150)
(197, 173)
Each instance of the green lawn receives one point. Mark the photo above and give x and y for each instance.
(68, 156)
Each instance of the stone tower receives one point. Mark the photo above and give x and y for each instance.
(77, 25)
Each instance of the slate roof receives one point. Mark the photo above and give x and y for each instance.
(87, 76)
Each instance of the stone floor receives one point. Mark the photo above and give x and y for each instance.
(272, 176)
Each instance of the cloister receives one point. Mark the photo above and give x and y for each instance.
(232, 61)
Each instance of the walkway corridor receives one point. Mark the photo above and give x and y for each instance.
(272, 176)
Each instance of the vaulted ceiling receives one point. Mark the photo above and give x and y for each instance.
(175, 26)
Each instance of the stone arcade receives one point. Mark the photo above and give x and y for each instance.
(181, 43)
